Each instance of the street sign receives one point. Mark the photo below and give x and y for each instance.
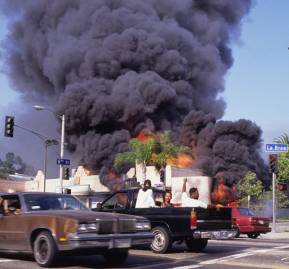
(276, 147)
(63, 162)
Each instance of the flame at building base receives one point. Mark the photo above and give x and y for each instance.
(182, 161)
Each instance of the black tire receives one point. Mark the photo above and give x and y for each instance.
(253, 235)
(196, 244)
(44, 249)
(116, 256)
(162, 241)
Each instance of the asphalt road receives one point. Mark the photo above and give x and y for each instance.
(238, 253)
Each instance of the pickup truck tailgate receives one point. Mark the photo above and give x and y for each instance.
(214, 218)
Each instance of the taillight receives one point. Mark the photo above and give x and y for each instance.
(193, 220)
(253, 221)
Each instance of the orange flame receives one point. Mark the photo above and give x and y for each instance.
(223, 194)
(144, 135)
(181, 161)
(87, 172)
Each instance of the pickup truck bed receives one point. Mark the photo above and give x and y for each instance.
(193, 225)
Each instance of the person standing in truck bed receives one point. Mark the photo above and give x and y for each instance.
(145, 196)
(191, 201)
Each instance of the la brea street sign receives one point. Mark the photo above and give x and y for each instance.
(276, 147)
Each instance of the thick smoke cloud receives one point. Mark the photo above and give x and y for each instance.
(224, 148)
(115, 67)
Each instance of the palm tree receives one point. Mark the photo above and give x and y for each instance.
(156, 150)
(165, 150)
(283, 139)
(140, 153)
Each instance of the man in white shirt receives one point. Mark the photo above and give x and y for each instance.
(191, 201)
(145, 196)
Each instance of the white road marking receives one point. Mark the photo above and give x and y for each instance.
(5, 260)
(261, 250)
(282, 247)
(188, 266)
(285, 260)
(228, 258)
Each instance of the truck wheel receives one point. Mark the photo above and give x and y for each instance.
(162, 241)
(116, 256)
(44, 249)
(196, 244)
(253, 235)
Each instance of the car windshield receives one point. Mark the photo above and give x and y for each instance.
(246, 211)
(36, 202)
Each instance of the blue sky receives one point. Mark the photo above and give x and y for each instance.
(256, 87)
(257, 84)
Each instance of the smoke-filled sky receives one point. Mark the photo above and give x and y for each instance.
(169, 70)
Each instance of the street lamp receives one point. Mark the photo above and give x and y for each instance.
(62, 117)
(47, 143)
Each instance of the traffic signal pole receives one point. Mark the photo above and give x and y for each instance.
(62, 151)
(274, 202)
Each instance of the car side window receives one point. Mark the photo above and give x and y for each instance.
(10, 205)
(118, 200)
(246, 211)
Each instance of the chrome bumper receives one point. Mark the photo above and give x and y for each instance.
(108, 241)
(219, 234)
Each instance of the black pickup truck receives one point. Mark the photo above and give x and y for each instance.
(193, 225)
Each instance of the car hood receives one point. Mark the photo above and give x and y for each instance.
(82, 216)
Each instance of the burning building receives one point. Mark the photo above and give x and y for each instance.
(115, 67)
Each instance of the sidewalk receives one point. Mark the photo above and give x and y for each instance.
(282, 231)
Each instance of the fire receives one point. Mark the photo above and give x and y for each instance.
(223, 194)
(182, 161)
(145, 134)
(87, 172)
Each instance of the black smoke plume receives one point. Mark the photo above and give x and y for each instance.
(115, 67)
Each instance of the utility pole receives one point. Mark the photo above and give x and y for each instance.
(274, 202)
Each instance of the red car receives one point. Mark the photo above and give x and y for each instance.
(249, 223)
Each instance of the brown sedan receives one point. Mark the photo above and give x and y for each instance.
(49, 224)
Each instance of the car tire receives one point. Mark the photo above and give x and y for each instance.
(196, 244)
(162, 241)
(44, 249)
(116, 256)
(253, 235)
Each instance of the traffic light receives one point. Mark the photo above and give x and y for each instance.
(162, 175)
(9, 126)
(273, 163)
(66, 173)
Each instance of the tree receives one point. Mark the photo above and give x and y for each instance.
(283, 167)
(156, 150)
(165, 150)
(13, 164)
(252, 186)
(140, 152)
(281, 197)
(283, 139)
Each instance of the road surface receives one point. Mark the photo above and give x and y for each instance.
(238, 253)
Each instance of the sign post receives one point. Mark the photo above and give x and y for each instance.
(275, 148)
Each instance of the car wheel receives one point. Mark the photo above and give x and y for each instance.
(116, 256)
(253, 235)
(162, 241)
(196, 244)
(44, 249)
